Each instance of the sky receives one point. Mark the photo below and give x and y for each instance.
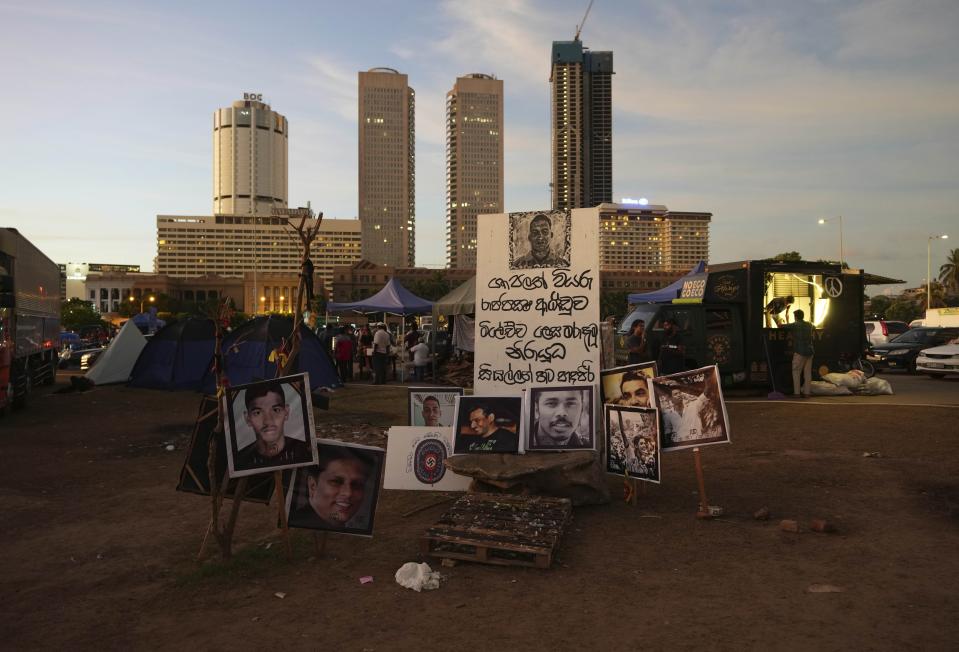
(768, 114)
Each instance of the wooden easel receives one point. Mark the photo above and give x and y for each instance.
(703, 501)
(224, 535)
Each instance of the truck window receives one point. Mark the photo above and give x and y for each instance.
(719, 319)
(644, 312)
(787, 292)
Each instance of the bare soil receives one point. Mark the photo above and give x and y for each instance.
(99, 550)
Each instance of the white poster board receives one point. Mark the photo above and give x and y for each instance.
(414, 460)
(537, 300)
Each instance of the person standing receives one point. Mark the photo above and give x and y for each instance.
(366, 342)
(421, 359)
(636, 342)
(343, 352)
(802, 333)
(672, 352)
(381, 354)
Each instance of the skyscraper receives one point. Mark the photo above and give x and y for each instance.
(582, 134)
(474, 162)
(387, 157)
(250, 144)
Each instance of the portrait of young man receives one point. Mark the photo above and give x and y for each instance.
(541, 241)
(487, 424)
(433, 406)
(340, 492)
(561, 418)
(270, 426)
(629, 385)
(692, 408)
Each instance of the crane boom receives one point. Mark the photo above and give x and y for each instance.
(579, 28)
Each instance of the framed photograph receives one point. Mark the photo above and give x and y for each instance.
(632, 442)
(691, 408)
(561, 418)
(414, 460)
(433, 407)
(539, 239)
(487, 424)
(339, 492)
(627, 385)
(269, 425)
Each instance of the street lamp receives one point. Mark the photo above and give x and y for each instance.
(823, 220)
(151, 299)
(941, 236)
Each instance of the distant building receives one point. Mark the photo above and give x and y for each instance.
(363, 278)
(582, 125)
(228, 245)
(387, 152)
(651, 238)
(250, 145)
(474, 162)
(73, 277)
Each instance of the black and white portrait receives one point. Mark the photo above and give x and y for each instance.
(561, 418)
(487, 424)
(433, 406)
(632, 442)
(628, 385)
(269, 425)
(691, 407)
(339, 493)
(539, 239)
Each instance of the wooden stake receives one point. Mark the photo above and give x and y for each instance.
(703, 501)
(281, 506)
(234, 514)
(319, 543)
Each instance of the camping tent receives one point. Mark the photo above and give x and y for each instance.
(393, 298)
(246, 353)
(672, 290)
(115, 364)
(177, 356)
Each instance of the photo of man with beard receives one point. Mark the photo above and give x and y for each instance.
(561, 418)
(544, 242)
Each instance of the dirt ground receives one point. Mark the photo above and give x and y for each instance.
(99, 548)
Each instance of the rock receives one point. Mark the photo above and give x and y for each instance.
(824, 588)
(821, 525)
(761, 514)
(789, 526)
(448, 563)
(577, 475)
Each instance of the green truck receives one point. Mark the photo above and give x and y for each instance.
(723, 318)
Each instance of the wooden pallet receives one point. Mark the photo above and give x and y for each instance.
(500, 529)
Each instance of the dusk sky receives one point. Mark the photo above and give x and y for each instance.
(770, 115)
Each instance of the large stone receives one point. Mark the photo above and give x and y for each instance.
(577, 475)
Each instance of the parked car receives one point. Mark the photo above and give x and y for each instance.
(881, 331)
(902, 351)
(939, 361)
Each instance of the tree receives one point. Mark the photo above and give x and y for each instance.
(789, 257)
(77, 312)
(431, 288)
(878, 306)
(949, 271)
(614, 303)
(903, 310)
(937, 294)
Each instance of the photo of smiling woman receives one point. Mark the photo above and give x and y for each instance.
(339, 494)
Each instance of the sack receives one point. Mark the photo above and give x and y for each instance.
(821, 388)
(850, 380)
(877, 386)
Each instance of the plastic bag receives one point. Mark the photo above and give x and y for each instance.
(849, 380)
(418, 577)
(822, 388)
(877, 386)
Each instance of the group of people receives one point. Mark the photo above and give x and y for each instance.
(669, 351)
(349, 346)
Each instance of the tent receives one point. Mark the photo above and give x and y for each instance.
(246, 353)
(672, 290)
(147, 322)
(461, 300)
(115, 364)
(177, 356)
(393, 298)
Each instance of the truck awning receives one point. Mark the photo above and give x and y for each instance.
(875, 279)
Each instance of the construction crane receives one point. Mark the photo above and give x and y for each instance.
(579, 28)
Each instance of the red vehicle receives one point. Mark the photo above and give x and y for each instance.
(29, 318)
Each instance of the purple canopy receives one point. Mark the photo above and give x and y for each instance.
(393, 298)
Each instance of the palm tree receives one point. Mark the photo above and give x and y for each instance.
(949, 272)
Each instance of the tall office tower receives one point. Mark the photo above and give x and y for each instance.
(250, 143)
(387, 167)
(582, 115)
(474, 162)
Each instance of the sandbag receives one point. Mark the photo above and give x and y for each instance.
(822, 388)
(877, 386)
(850, 380)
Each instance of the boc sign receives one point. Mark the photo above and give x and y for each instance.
(258, 97)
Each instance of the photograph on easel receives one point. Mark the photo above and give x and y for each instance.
(487, 424)
(561, 418)
(632, 442)
(691, 408)
(433, 406)
(340, 492)
(269, 425)
(627, 385)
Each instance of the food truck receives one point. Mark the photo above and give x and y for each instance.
(723, 318)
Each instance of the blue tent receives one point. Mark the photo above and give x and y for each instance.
(246, 353)
(176, 357)
(672, 290)
(393, 298)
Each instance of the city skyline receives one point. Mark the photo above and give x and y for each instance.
(767, 117)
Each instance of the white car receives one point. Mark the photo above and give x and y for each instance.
(939, 361)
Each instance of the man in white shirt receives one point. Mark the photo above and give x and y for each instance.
(421, 358)
(381, 354)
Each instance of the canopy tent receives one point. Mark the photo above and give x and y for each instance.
(393, 298)
(669, 292)
(461, 300)
(116, 363)
(246, 354)
(147, 321)
(177, 356)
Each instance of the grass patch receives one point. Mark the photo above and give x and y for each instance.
(247, 563)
